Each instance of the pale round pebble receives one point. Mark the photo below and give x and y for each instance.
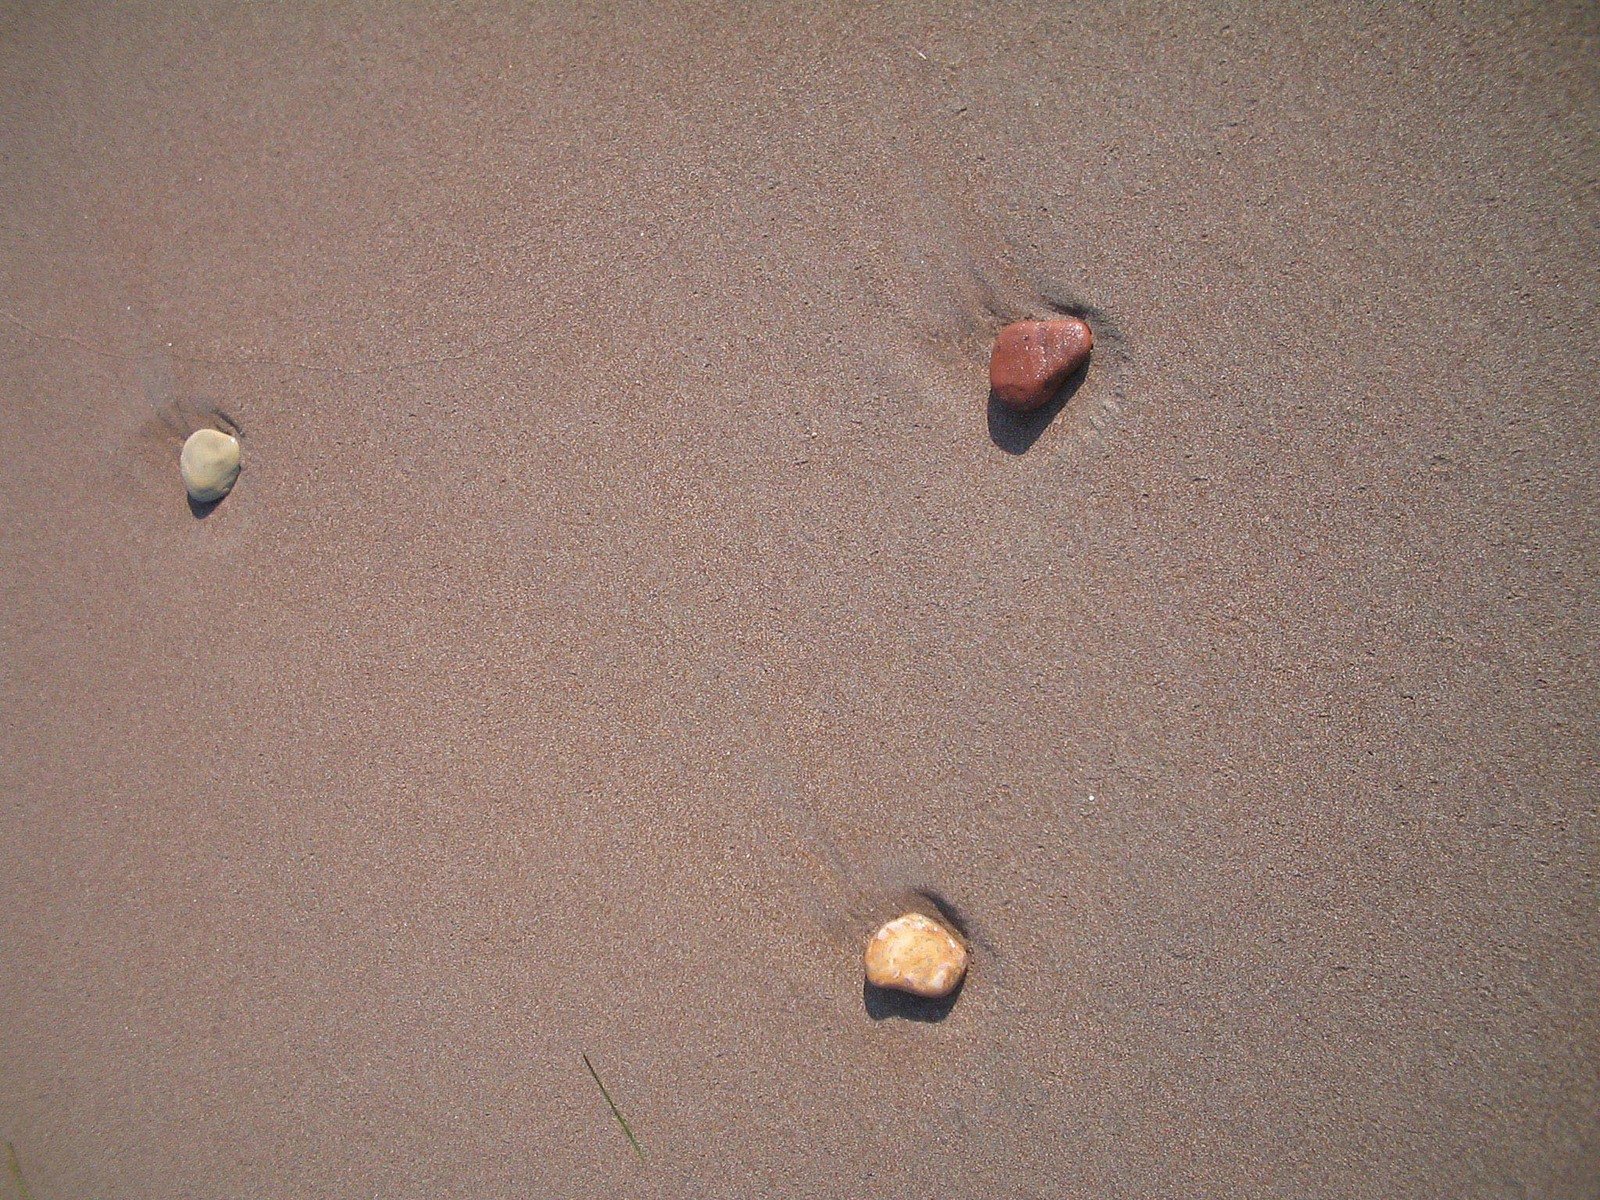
(210, 464)
(916, 954)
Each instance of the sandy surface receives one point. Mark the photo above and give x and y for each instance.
(628, 596)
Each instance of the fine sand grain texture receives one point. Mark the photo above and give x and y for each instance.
(629, 600)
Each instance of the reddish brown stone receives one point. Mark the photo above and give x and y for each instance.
(1032, 359)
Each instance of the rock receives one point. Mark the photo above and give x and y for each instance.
(1032, 359)
(916, 954)
(210, 464)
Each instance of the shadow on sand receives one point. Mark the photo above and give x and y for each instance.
(883, 1003)
(1014, 432)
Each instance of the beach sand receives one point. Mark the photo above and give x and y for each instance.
(629, 600)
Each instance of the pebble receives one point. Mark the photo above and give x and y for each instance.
(916, 954)
(210, 464)
(1032, 359)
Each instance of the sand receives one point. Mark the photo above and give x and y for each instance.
(628, 598)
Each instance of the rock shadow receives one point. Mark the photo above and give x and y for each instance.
(1015, 432)
(883, 1003)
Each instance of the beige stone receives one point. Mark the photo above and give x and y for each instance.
(210, 464)
(916, 954)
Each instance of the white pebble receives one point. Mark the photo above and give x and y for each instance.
(210, 464)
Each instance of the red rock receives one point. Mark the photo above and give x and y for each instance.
(1032, 359)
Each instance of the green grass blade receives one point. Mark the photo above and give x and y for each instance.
(615, 1111)
(14, 1165)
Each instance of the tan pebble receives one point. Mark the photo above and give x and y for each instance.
(210, 464)
(916, 954)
